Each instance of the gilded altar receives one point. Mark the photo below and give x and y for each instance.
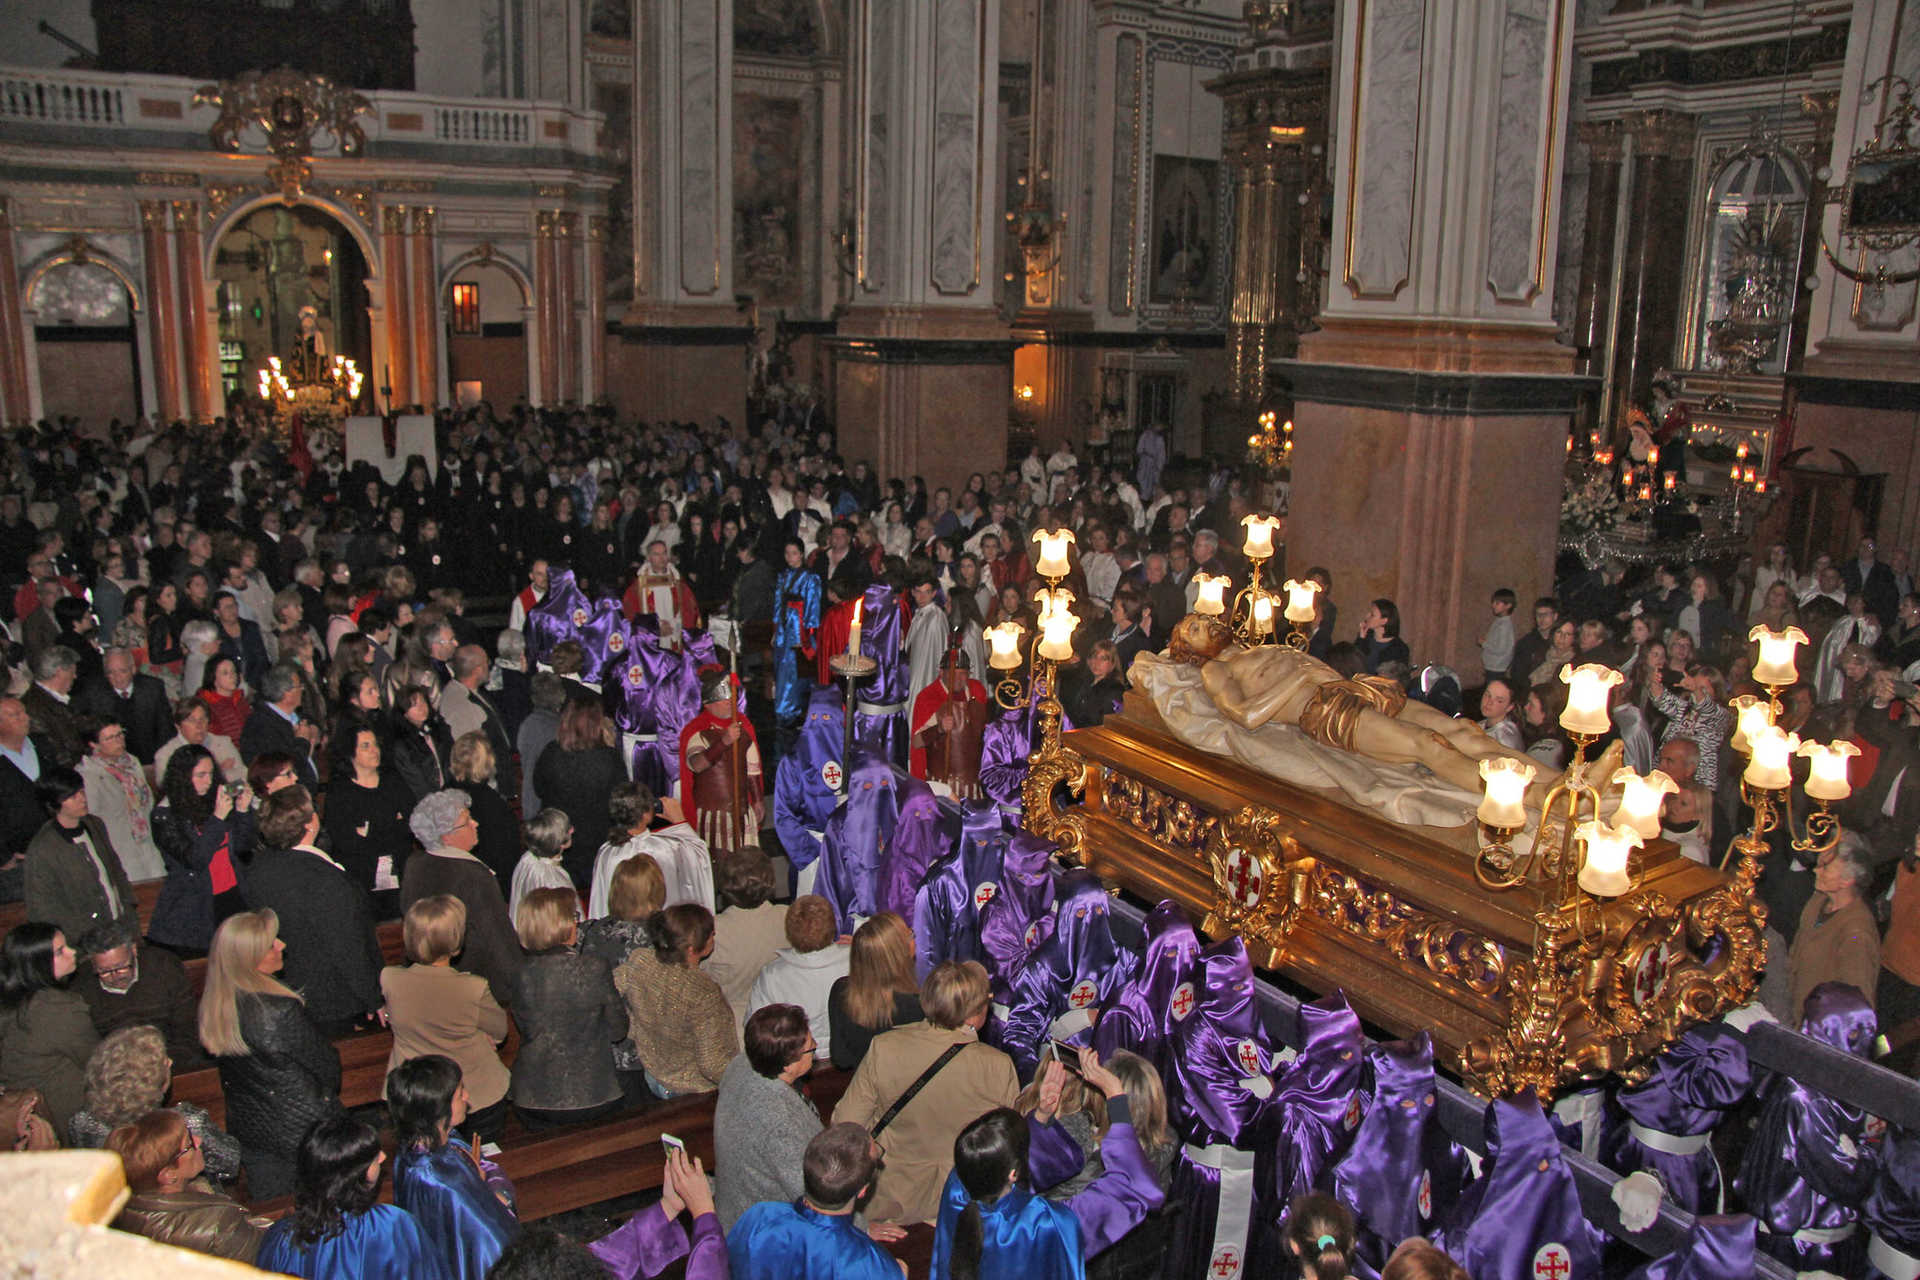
(1520, 988)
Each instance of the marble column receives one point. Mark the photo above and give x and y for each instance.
(16, 404)
(1593, 304)
(397, 369)
(595, 285)
(157, 254)
(1654, 253)
(1433, 401)
(426, 307)
(567, 321)
(546, 388)
(197, 343)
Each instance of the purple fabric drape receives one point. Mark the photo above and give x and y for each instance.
(948, 905)
(1662, 1125)
(558, 618)
(1316, 1103)
(1401, 1162)
(1161, 989)
(647, 1244)
(927, 828)
(1891, 1211)
(1020, 914)
(1717, 1248)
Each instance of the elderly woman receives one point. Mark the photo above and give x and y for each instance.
(1838, 939)
(46, 1034)
(444, 826)
(546, 835)
(472, 765)
(434, 1008)
(199, 643)
(750, 928)
(164, 1157)
(118, 795)
(761, 1122)
(460, 1199)
(204, 830)
(128, 1076)
(193, 727)
(570, 1018)
(919, 1140)
(682, 1026)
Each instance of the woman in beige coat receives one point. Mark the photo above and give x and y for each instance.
(433, 1007)
(918, 1142)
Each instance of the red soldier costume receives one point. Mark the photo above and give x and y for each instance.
(948, 727)
(720, 782)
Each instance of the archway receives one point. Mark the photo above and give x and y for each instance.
(270, 263)
(484, 303)
(83, 333)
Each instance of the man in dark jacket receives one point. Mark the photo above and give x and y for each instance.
(22, 756)
(275, 724)
(130, 984)
(333, 954)
(74, 878)
(138, 702)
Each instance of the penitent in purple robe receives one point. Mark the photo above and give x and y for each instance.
(1005, 746)
(928, 827)
(1522, 1220)
(806, 788)
(605, 637)
(1716, 1248)
(1665, 1124)
(558, 618)
(1401, 1162)
(1317, 1104)
(1891, 1211)
(648, 1243)
(957, 888)
(1140, 1015)
(651, 677)
(1221, 1063)
(1804, 1174)
(880, 701)
(1069, 977)
(858, 835)
(1019, 917)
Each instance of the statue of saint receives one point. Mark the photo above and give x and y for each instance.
(310, 354)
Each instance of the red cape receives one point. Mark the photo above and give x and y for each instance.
(925, 708)
(702, 723)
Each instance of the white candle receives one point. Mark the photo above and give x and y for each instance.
(1052, 562)
(1776, 664)
(1640, 800)
(1211, 600)
(1263, 614)
(1752, 713)
(1300, 593)
(1771, 746)
(1827, 776)
(1005, 639)
(1259, 544)
(1056, 635)
(853, 632)
(1604, 872)
(1504, 781)
(1587, 689)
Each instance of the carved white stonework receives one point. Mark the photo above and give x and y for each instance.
(876, 204)
(701, 161)
(1380, 231)
(954, 238)
(1513, 228)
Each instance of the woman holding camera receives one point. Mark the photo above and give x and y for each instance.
(203, 827)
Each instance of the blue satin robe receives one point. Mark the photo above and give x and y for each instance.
(1023, 1237)
(384, 1243)
(1524, 1212)
(647, 1244)
(796, 622)
(455, 1207)
(948, 905)
(795, 1242)
(1717, 1248)
(802, 798)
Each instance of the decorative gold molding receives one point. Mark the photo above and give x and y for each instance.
(153, 214)
(1155, 814)
(1418, 939)
(1259, 878)
(393, 219)
(186, 215)
(564, 224)
(408, 186)
(290, 108)
(150, 179)
(423, 218)
(1661, 133)
(599, 229)
(222, 196)
(1605, 140)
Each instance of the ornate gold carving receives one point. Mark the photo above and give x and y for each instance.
(597, 229)
(1415, 938)
(1177, 824)
(166, 179)
(1605, 139)
(220, 196)
(423, 217)
(553, 191)
(359, 200)
(408, 186)
(1259, 875)
(1051, 767)
(543, 223)
(563, 224)
(186, 215)
(1660, 133)
(393, 219)
(290, 109)
(153, 215)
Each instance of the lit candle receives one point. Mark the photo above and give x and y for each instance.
(1740, 451)
(1667, 481)
(1776, 664)
(1053, 552)
(1259, 544)
(1640, 800)
(1760, 485)
(1626, 477)
(1752, 714)
(1263, 614)
(1569, 444)
(853, 632)
(1749, 475)
(1827, 776)
(1646, 493)
(1593, 439)
(1505, 782)
(1604, 873)
(1767, 769)
(1211, 600)
(1736, 475)
(1300, 594)
(1587, 689)
(1653, 456)
(1005, 639)
(1056, 635)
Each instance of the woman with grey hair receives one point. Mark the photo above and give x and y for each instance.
(510, 683)
(546, 836)
(128, 1076)
(443, 825)
(200, 641)
(1838, 939)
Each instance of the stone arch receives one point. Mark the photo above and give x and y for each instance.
(340, 213)
(487, 255)
(84, 254)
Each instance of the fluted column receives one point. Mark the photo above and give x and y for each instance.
(1656, 240)
(1604, 141)
(567, 324)
(397, 368)
(426, 308)
(596, 295)
(195, 346)
(545, 312)
(161, 314)
(16, 405)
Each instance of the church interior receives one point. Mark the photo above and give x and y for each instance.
(1587, 301)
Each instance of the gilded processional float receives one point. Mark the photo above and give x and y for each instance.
(1535, 924)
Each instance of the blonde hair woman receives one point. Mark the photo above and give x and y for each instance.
(433, 1007)
(570, 1018)
(879, 992)
(127, 1077)
(279, 1073)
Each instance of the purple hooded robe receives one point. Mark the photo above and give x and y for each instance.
(928, 827)
(1664, 1124)
(1317, 1104)
(1069, 977)
(1891, 1210)
(858, 836)
(1140, 1016)
(880, 701)
(1522, 1220)
(1401, 1162)
(1019, 916)
(558, 618)
(1717, 1248)
(805, 793)
(957, 888)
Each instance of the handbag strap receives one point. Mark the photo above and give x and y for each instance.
(913, 1090)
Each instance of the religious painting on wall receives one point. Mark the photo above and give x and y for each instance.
(1183, 239)
(768, 135)
(775, 28)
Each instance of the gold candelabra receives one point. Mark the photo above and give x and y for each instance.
(1052, 642)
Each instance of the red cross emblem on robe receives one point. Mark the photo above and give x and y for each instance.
(1426, 1194)
(983, 894)
(1083, 994)
(1183, 1002)
(1552, 1262)
(580, 617)
(1225, 1264)
(1353, 1112)
(1247, 1054)
(830, 774)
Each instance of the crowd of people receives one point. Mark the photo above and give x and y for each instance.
(248, 672)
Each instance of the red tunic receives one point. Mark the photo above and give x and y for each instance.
(836, 623)
(926, 708)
